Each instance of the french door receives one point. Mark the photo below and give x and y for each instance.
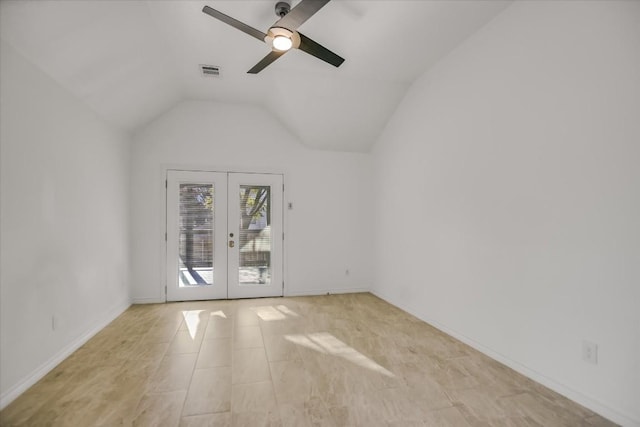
(224, 235)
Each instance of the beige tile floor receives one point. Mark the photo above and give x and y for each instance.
(340, 360)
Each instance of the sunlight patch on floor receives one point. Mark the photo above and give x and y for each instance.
(192, 320)
(269, 312)
(218, 313)
(326, 343)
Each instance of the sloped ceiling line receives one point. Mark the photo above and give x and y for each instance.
(131, 61)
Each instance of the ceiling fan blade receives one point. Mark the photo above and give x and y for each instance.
(272, 56)
(235, 23)
(300, 13)
(319, 51)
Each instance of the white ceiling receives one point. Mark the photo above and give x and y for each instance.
(132, 60)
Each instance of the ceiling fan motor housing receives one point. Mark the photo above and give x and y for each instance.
(274, 32)
(282, 8)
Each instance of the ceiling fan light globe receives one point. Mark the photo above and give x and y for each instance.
(282, 43)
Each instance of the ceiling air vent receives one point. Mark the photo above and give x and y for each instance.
(210, 70)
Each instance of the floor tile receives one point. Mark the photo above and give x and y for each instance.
(279, 348)
(339, 360)
(311, 413)
(184, 342)
(247, 337)
(215, 352)
(250, 365)
(207, 420)
(159, 409)
(173, 373)
(252, 398)
(209, 392)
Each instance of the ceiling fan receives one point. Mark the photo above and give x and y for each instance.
(283, 35)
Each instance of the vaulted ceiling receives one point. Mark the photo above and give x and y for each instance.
(132, 60)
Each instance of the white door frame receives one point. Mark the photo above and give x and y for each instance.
(165, 169)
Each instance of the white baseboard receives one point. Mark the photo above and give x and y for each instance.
(147, 301)
(37, 374)
(615, 415)
(316, 292)
(287, 293)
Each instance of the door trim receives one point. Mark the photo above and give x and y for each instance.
(162, 187)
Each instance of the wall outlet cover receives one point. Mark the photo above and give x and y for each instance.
(590, 352)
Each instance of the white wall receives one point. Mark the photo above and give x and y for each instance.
(508, 209)
(63, 223)
(328, 231)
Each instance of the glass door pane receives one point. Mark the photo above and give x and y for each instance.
(255, 235)
(196, 228)
(196, 241)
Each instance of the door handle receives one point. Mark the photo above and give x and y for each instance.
(231, 243)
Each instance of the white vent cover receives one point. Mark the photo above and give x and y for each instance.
(210, 70)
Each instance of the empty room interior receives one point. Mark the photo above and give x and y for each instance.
(320, 213)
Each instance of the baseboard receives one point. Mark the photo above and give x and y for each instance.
(316, 292)
(148, 301)
(612, 414)
(10, 395)
(288, 293)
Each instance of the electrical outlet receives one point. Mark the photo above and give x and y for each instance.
(590, 352)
